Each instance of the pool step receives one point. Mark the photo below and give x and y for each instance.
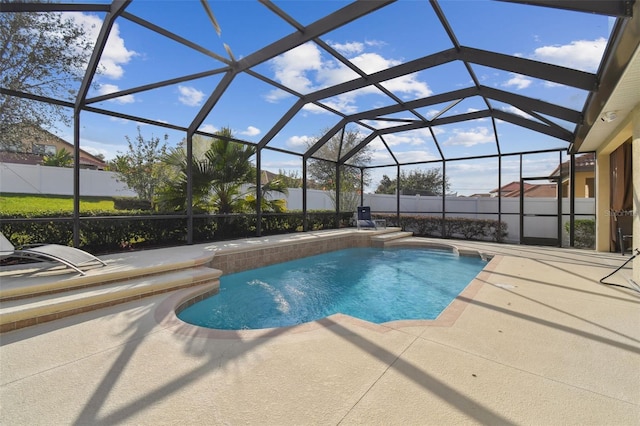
(39, 308)
(47, 278)
(382, 239)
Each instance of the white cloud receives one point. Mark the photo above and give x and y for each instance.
(519, 81)
(348, 48)
(304, 70)
(551, 84)
(476, 136)
(516, 111)
(410, 85)
(250, 131)
(298, 141)
(119, 120)
(94, 147)
(471, 168)
(315, 109)
(275, 95)
(190, 96)
(414, 156)
(376, 145)
(286, 166)
(208, 128)
(380, 156)
(375, 43)
(105, 89)
(344, 103)
(372, 62)
(416, 137)
(292, 67)
(115, 53)
(584, 55)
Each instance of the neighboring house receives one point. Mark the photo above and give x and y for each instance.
(584, 176)
(512, 190)
(267, 177)
(539, 190)
(504, 190)
(36, 143)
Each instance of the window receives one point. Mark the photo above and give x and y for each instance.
(41, 149)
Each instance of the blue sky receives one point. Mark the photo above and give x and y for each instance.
(398, 33)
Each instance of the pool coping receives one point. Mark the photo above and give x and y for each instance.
(166, 314)
(530, 345)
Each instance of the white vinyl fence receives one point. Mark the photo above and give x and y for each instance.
(36, 179)
(30, 179)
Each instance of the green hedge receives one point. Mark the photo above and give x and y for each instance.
(454, 227)
(129, 203)
(584, 232)
(108, 232)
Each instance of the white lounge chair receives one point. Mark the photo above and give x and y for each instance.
(72, 257)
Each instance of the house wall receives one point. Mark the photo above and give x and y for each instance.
(35, 138)
(629, 127)
(636, 189)
(583, 190)
(69, 148)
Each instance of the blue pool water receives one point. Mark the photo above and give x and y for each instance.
(376, 285)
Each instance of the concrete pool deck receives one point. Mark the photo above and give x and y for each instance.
(538, 341)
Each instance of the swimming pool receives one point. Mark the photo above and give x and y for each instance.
(376, 285)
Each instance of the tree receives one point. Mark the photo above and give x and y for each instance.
(290, 179)
(231, 166)
(277, 205)
(324, 172)
(424, 182)
(172, 193)
(42, 54)
(220, 167)
(61, 158)
(140, 168)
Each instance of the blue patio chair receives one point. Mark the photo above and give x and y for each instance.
(72, 257)
(364, 218)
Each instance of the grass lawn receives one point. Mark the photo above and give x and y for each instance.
(29, 203)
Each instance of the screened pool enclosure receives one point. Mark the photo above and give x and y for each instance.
(494, 98)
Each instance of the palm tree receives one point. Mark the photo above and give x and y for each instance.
(278, 205)
(62, 158)
(230, 168)
(172, 194)
(219, 169)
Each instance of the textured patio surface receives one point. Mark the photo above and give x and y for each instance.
(541, 342)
